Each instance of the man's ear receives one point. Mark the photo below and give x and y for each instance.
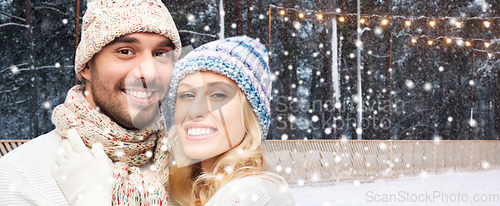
(86, 73)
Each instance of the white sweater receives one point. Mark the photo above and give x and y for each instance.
(25, 174)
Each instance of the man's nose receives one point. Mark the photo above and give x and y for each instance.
(147, 70)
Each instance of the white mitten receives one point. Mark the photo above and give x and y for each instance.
(85, 177)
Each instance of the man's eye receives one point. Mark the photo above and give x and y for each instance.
(163, 54)
(126, 52)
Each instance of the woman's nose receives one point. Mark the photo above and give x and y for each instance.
(200, 106)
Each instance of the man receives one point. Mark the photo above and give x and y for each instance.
(125, 60)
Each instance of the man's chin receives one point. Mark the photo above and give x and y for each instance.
(144, 119)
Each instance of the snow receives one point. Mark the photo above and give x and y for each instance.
(451, 188)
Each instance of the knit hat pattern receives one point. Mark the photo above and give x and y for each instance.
(241, 59)
(106, 20)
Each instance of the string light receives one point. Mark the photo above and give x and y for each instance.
(385, 21)
(432, 23)
(408, 22)
(320, 16)
(487, 24)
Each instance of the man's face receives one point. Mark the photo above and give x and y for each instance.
(129, 78)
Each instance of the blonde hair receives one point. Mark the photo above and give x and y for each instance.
(191, 186)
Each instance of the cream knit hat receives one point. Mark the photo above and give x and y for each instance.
(106, 20)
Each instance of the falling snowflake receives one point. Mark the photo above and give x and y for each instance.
(284, 137)
(450, 119)
(14, 69)
(427, 86)
(409, 84)
(57, 65)
(338, 159)
(382, 146)
(315, 177)
(233, 25)
(485, 165)
(191, 17)
(356, 183)
(315, 118)
(292, 118)
(472, 122)
(279, 168)
(149, 154)
(65, 21)
(328, 131)
(424, 174)
(437, 139)
(47, 105)
(261, 16)
(288, 170)
(297, 25)
(207, 28)
(441, 69)
(229, 169)
(153, 167)
(300, 182)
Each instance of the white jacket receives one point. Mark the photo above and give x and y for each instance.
(25, 174)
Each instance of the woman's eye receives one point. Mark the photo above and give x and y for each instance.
(219, 95)
(185, 95)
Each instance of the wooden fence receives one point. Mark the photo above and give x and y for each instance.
(9, 145)
(329, 161)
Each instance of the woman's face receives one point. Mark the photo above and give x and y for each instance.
(208, 115)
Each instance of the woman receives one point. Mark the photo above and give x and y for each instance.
(220, 93)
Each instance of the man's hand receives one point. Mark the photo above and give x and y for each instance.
(85, 177)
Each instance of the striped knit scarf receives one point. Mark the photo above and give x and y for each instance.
(128, 149)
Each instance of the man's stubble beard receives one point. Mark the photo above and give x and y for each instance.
(108, 101)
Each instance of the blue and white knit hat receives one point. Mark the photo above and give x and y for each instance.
(242, 59)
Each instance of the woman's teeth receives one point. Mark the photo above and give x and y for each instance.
(138, 94)
(200, 131)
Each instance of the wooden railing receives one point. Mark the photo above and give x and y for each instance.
(9, 145)
(329, 161)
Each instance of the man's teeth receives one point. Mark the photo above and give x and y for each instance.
(200, 131)
(138, 94)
